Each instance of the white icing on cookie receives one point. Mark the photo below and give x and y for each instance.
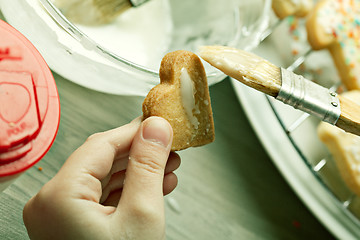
(187, 90)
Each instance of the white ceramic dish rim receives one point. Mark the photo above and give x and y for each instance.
(296, 172)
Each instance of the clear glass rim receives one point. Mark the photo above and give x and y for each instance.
(85, 40)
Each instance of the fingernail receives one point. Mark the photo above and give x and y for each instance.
(157, 130)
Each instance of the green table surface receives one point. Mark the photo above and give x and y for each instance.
(228, 189)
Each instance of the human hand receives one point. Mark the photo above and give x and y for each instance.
(87, 198)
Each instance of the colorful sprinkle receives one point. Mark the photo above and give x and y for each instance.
(294, 52)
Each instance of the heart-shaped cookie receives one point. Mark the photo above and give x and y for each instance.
(183, 99)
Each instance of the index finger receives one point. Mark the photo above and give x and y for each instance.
(97, 154)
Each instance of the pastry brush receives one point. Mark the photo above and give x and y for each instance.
(95, 12)
(285, 86)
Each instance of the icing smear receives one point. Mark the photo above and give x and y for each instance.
(187, 90)
(235, 62)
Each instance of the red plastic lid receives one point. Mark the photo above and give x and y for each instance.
(29, 103)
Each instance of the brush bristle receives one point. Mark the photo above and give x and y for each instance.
(92, 12)
(112, 8)
(246, 67)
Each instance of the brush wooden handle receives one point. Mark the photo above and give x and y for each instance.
(264, 76)
(349, 119)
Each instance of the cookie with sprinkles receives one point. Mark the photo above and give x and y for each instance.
(335, 25)
(285, 8)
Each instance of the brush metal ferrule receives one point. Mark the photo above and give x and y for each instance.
(136, 3)
(309, 97)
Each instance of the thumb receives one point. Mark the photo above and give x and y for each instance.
(147, 160)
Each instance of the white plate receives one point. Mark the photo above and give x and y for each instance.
(321, 202)
(290, 138)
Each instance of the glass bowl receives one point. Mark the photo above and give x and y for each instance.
(123, 57)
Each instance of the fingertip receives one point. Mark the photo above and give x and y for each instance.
(170, 183)
(173, 162)
(157, 130)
